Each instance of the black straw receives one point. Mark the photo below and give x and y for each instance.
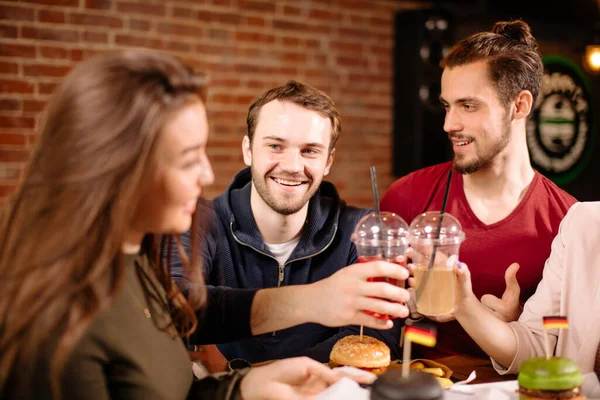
(439, 227)
(375, 194)
(435, 244)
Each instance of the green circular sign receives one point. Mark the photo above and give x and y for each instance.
(561, 132)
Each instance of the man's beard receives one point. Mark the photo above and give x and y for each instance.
(279, 205)
(487, 157)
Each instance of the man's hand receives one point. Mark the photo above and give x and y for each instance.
(341, 299)
(507, 308)
(293, 379)
(336, 301)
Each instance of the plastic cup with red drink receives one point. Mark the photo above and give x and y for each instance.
(382, 236)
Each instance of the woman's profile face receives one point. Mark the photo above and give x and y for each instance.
(181, 170)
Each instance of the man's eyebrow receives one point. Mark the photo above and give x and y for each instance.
(318, 145)
(462, 100)
(276, 138)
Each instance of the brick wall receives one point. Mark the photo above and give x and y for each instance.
(343, 47)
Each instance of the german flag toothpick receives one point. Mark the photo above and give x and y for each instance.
(423, 334)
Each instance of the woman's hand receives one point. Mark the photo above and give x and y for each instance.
(292, 378)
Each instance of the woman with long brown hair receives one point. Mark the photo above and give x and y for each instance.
(87, 307)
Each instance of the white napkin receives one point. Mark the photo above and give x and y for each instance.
(345, 389)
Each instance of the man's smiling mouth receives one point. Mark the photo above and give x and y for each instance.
(286, 182)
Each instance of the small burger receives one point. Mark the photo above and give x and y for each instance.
(368, 354)
(554, 378)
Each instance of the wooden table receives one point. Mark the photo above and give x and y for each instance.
(462, 365)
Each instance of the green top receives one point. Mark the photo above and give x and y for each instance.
(557, 373)
(126, 355)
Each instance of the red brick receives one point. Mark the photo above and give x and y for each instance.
(58, 35)
(53, 52)
(347, 47)
(139, 25)
(254, 21)
(223, 18)
(288, 71)
(128, 40)
(33, 105)
(254, 37)
(315, 73)
(6, 190)
(16, 50)
(226, 82)
(18, 139)
(378, 22)
(205, 49)
(244, 100)
(357, 33)
(15, 86)
(290, 41)
(98, 4)
(294, 58)
(352, 62)
(64, 3)
(76, 54)
(9, 68)
(319, 59)
(95, 37)
(95, 20)
(181, 30)
(142, 8)
(253, 5)
(10, 105)
(218, 34)
(16, 122)
(46, 88)
(300, 26)
(250, 52)
(11, 13)
(221, 99)
(323, 15)
(293, 11)
(387, 50)
(184, 12)
(52, 16)
(8, 31)
(45, 70)
(356, 5)
(177, 46)
(358, 20)
(312, 44)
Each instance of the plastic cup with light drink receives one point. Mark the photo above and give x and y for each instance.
(434, 279)
(381, 236)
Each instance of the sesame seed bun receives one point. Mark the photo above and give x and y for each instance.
(368, 353)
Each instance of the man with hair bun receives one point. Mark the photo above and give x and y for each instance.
(509, 212)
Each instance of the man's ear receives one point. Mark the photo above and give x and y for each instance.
(523, 104)
(329, 162)
(247, 150)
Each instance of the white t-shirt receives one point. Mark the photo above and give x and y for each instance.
(282, 251)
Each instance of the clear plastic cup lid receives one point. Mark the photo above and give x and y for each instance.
(424, 229)
(386, 229)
